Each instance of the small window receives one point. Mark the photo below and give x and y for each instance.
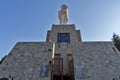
(63, 38)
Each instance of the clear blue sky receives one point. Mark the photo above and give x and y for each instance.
(29, 20)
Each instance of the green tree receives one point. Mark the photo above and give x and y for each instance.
(116, 41)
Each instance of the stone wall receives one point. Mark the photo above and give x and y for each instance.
(92, 60)
(25, 60)
(75, 35)
(96, 61)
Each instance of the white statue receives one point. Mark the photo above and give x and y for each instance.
(63, 14)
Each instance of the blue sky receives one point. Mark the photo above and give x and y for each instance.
(29, 20)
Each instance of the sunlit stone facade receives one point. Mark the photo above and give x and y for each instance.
(62, 56)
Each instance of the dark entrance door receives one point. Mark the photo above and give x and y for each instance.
(57, 69)
(71, 70)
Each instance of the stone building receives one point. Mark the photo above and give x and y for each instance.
(63, 56)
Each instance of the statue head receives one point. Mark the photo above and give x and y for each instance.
(64, 6)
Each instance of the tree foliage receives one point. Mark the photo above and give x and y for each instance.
(116, 41)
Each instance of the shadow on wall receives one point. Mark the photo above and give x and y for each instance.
(3, 60)
(4, 79)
